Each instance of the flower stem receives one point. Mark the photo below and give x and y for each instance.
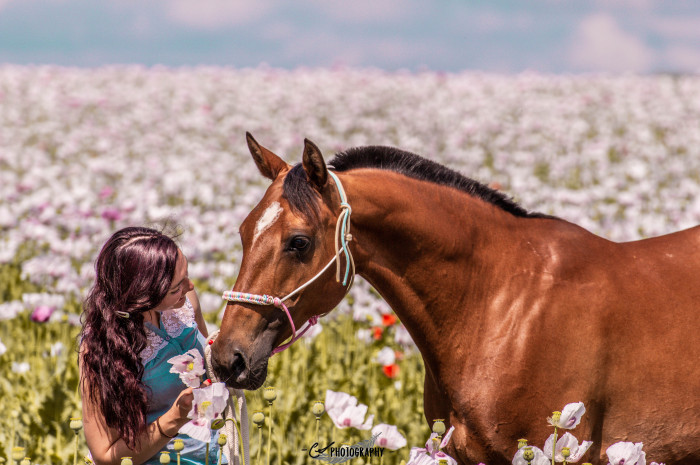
(206, 456)
(554, 444)
(269, 435)
(75, 451)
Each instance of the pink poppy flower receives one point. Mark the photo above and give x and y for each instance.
(208, 405)
(567, 440)
(626, 453)
(42, 313)
(389, 437)
(346, 412)
(189, 366)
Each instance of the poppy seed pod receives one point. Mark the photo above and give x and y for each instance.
(221, 440)
(439, 427)
(178, 445)
(26, 461)
(566, 452)
(164, 457)
(270, 394)
(522, 443)
(528, 454)
(127, 461)
(318, 408)
(258, 419)
(76, 424)
(17, 453)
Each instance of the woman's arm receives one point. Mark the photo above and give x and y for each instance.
(108, 448)
(201, 324)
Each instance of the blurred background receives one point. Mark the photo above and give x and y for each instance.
(550, 36)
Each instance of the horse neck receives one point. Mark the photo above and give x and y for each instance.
(434, 253)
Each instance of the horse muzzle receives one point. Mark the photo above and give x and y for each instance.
(238, 369)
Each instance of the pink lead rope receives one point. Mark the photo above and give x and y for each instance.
(343, 236)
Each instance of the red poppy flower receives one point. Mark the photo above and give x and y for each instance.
(391, 370)
(388, 319)
(377, 332)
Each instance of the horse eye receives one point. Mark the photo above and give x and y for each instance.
(299, 243)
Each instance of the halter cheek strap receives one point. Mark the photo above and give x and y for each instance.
(342, 237)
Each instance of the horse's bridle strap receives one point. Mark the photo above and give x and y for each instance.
(342, 237)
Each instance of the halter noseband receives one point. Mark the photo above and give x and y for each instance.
(342, 237)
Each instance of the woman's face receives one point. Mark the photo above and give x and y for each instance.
(180, 286)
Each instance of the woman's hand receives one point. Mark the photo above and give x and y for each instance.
(182, 406)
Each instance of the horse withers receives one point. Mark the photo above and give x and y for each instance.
(515, 313)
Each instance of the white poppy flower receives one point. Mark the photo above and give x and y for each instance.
(567, 440)
(626, 453)
(189, 366)
(20, 368)
(389, 437)
(345, 412)
(386, 356)
(208, 404)
(539, 459)
(570, 416)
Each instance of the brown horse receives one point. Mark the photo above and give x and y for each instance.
(515, 314)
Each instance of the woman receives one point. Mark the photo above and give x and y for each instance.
(141, 311)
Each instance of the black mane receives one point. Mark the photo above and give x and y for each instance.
(299, 193)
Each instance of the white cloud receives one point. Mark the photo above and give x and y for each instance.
(599, 44)
(209, 14)
(677, 27)
(682, 58)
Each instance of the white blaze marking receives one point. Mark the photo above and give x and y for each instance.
(267, 219)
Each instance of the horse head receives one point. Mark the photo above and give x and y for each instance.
(287, 240)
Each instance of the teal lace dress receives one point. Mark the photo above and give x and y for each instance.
(177, 334)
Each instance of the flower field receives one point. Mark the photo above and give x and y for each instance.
(85, 152)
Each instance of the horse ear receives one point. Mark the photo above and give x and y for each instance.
(269, 164)
(314, 166)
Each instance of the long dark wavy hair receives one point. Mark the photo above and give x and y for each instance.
(134, 269)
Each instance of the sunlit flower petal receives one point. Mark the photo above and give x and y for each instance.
(570, 416)
(626, 453)
(189, 367)
(389, 437)
(208, 404)
(345, 412)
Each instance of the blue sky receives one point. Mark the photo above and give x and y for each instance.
(553, 36)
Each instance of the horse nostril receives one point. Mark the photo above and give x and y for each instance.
(238, 367)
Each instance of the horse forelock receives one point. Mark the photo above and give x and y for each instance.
(417, 167)
(301, 196)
